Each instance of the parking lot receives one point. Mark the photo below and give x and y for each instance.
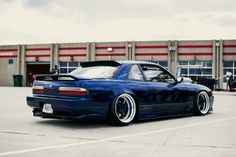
(21, 134)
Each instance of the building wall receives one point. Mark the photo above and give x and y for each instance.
(151, 51)
(229, 50)
(165, 52)
(38, 53)
(73, 52)
(110, 51)
(195, 50)
(8, 64)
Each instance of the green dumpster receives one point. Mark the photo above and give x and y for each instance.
(17, 80)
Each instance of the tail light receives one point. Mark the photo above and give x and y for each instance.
(72, 91)
(38, 89)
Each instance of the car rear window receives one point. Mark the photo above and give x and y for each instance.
(96, 72)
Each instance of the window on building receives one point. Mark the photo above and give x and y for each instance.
(67, 67)
(195, 68)
(229, 66)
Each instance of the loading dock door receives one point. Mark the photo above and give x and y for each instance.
(37, 69)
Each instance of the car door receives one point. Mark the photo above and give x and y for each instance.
(166, 96)
(137, 84)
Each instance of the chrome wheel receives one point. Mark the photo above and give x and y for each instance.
(125, 108)
(203, 103)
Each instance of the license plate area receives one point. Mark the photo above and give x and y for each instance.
(47, 108)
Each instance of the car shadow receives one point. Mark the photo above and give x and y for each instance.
(95, 124)
(161, 119)
(171, 118)
(75, 124)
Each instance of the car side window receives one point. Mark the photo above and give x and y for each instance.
(156, 74)
(135, 73)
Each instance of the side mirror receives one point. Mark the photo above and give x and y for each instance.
(179, 79)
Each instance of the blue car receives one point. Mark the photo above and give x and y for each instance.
(119, 91)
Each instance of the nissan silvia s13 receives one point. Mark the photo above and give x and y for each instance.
(119, 91)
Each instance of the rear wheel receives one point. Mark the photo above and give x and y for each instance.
(123, 110)
(202, 104)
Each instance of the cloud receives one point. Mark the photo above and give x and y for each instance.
(36, 3)
(33, 21)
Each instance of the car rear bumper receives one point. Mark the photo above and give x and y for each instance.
(68, 108)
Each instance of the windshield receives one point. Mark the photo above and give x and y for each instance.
(96, 72)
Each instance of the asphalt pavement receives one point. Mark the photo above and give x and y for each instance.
(23, 135)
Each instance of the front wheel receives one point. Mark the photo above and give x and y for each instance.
(123, 110)
(202, 104)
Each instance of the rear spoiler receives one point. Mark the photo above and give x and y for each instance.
(51, 77)
(100, 63)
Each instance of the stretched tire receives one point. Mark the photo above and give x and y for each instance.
(202, 103)
(122, 110)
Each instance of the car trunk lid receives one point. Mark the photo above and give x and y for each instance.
(57, 85)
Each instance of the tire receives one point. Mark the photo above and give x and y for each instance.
(122, 110)
(202, 103)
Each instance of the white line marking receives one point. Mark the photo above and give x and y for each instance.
(111, 138)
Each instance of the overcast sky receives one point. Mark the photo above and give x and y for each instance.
(52, 21)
